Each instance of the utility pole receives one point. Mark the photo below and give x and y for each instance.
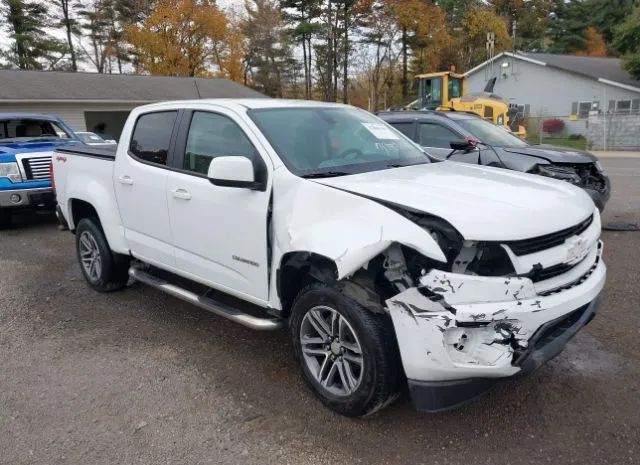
(491, 42)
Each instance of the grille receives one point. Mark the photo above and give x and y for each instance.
(552, 271)
(37, 168)
(536, 244)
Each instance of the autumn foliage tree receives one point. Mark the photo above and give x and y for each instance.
(594, 45)
(187, 38)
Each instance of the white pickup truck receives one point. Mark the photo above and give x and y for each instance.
(385, 266)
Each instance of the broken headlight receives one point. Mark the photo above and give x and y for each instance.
(10, 170)
(563, 173)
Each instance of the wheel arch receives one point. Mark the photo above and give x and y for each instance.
(297, 270)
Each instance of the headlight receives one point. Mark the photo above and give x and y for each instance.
(11, 171)
(563, 173)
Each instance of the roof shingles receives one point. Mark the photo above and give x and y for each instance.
(595, 67)
(52, 85)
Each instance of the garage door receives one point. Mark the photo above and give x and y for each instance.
(108, 124)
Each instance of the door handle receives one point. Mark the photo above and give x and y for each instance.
(181, 194)
(124, 179)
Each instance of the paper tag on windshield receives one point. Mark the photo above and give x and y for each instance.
(380, 131)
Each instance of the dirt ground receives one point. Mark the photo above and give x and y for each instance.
(140, 377)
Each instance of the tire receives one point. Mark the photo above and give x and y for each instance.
(5, 218)
(354, 389)
(101, 268)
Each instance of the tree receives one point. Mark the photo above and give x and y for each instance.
(422, 25)
(455, 11)
(33, 47)
(568, 26)
(68, 22)
(184, 38)
(302, 16)
(472, 38)
(531, 17)
(605, 15)
(268, 55)
(379, 31)
(627, 42)
(594, 45)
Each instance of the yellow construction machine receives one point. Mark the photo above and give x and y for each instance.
(447, 91)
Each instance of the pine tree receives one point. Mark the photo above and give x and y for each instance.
(32, 47)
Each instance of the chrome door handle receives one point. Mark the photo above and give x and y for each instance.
(181, 194)
(124, 179)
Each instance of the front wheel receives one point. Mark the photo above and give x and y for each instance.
(102, 269)
(348, 354)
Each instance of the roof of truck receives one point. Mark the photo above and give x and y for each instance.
(398, 116)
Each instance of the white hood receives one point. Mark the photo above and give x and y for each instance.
(482, 203)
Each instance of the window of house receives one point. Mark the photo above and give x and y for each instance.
(213, 135)
(635, 105)
(623, 106)
(152, 135)
(434, 135)
(583, 109)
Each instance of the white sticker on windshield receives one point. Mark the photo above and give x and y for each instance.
(380, 131)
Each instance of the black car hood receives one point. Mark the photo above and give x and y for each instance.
(554, 154)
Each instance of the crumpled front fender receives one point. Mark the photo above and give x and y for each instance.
(346, 228)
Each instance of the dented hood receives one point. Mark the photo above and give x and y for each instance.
(481, 203)
(554, 154)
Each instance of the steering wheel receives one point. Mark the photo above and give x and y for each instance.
(350, 154)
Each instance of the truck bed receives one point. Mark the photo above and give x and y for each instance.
(106, 151)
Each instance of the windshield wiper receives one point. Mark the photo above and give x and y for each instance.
(325, 174)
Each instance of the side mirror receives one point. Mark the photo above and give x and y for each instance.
(462, 145)
(233, 172)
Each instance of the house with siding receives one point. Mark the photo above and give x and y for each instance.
(568, 87)
(102, 102)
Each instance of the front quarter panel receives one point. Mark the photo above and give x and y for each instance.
(346, 228)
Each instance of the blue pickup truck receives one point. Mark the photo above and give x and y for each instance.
(27, 143)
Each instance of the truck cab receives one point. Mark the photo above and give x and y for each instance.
(27, 143)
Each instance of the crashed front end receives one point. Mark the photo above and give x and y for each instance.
(459, 331)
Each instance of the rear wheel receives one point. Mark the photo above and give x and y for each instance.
(102, 269)
(5, 218)
(348, 354)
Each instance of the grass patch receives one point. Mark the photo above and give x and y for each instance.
(580, 144)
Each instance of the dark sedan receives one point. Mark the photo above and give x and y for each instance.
(467, 138)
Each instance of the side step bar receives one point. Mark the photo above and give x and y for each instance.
(219, 308)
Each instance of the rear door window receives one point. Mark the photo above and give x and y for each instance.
(404, 128)
(435, 135)
(152, 136)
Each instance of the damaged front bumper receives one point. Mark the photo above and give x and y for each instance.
(458, 333)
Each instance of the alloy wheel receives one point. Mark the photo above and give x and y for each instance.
(90, 256)
(331, 350)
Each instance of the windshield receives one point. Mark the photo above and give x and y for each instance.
(490, 134)
(31, 130)
(333, 141)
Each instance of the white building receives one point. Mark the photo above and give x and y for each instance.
(563, 86)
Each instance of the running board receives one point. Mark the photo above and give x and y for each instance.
(206, 303)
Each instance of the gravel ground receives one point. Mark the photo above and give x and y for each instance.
(140, 377)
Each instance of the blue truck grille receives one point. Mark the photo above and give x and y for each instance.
(37, 168)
